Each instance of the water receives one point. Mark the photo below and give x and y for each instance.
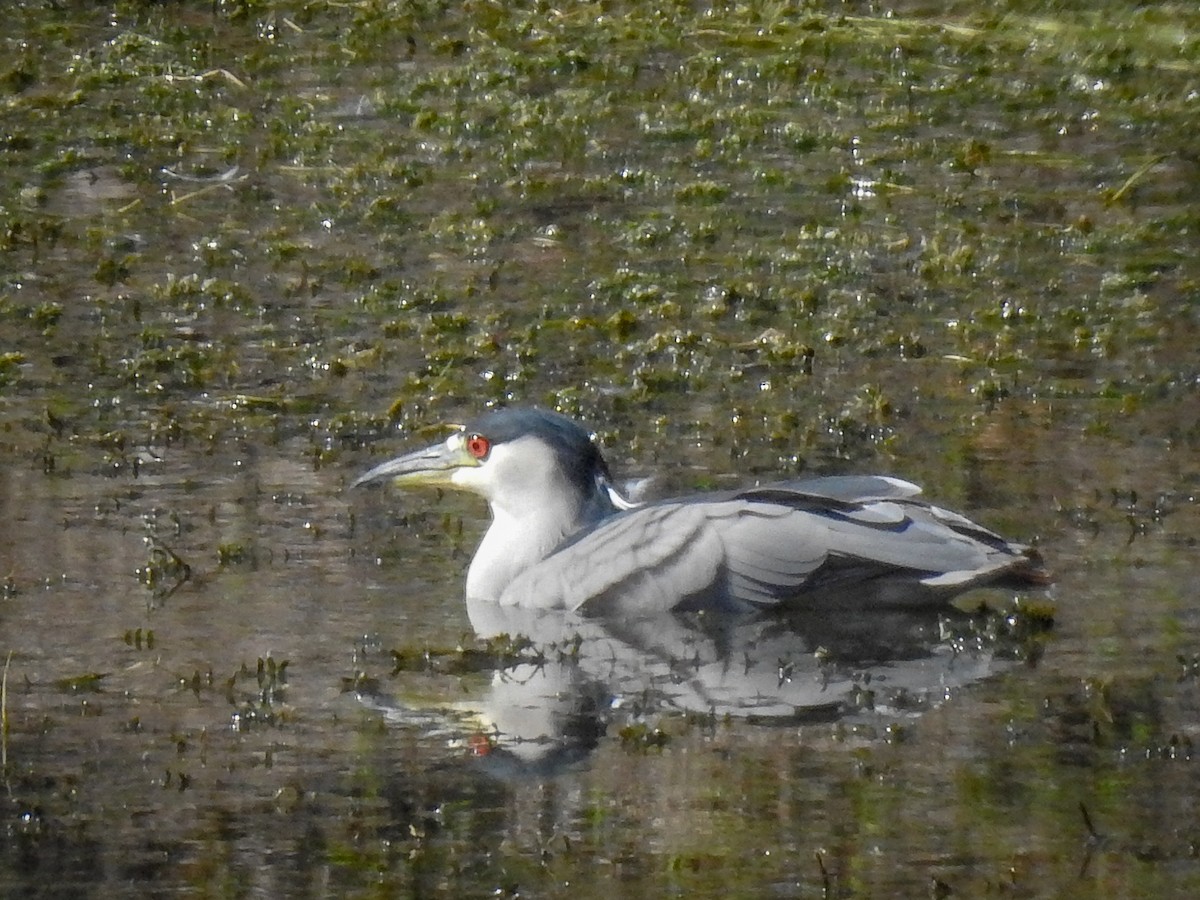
(740, 246)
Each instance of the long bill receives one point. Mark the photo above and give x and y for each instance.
(432, 465)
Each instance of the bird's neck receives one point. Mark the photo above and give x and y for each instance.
(522, 535)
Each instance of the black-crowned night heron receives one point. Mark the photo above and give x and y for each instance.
(562, 536)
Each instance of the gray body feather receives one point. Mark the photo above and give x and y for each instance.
(859, 538)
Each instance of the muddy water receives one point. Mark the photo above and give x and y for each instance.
(246, 255)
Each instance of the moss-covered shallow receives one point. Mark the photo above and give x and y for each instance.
(246, 247)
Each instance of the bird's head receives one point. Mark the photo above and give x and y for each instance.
(522, 461)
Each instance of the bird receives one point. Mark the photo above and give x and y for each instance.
(562, 536)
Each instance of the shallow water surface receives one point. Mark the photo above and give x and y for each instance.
(248, 251)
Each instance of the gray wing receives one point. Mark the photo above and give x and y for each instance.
(766, 546)
(846, 488)
(647, 559)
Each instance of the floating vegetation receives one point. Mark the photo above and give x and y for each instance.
(481, 655)
(87, 683)
(669, 178)
(232, 553)
(258, 693)
(137, 638)
(164, 572)
(1019, 631)
(642, 738)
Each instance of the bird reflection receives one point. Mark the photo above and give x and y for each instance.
(595, 676)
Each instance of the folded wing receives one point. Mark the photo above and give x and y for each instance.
(769, 546)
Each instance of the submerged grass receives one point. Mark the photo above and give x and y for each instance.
(622, 164)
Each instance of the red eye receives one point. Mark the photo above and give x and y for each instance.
(479, 446)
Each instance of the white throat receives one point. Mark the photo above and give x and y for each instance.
(509, 547)
(534, 510)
